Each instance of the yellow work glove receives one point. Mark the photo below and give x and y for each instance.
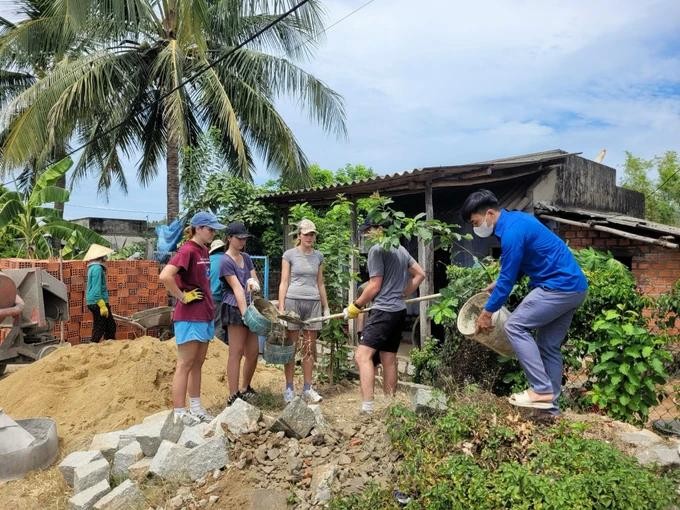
(192, 295)
(352, 311)
(103, 310)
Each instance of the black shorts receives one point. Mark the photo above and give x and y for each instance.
(383, 330)
(231, 316)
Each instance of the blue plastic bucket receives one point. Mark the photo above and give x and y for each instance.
(279, 354)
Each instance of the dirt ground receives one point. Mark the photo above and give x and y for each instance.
(93, 388)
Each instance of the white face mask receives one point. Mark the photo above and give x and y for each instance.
(484, 230)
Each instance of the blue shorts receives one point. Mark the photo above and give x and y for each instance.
(189, 331)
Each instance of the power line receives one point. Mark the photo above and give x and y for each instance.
(194, 76)
(209, 66)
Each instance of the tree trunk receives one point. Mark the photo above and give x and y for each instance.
(172, 162)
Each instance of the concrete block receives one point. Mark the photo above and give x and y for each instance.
(107, 443)
(140, 469)
(168, 461)
(152, 431)
(174, 462)
(239, 418)
(75, 460)
(124, 458)
(428, 401)
(86, 499)
(296, 420)
(194, 436)
(206, 458)
(90, 474)
(124, 497)
(322, 480)
(320, 421)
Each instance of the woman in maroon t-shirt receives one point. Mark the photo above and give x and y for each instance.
(186, 277)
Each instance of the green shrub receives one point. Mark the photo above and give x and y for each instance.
(477, 457)
(609, 349)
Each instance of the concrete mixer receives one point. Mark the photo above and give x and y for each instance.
(30, 336)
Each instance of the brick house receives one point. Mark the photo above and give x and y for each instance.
(576, 197)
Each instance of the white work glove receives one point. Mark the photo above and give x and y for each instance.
(326, 313)
(252, 285)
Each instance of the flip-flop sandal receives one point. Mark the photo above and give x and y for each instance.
(522, 400)
(667, 426)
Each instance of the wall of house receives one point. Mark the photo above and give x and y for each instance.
(655, 268)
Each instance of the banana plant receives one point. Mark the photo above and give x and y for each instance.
(30, 221)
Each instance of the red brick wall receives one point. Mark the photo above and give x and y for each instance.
(655, 268)
(133, 287)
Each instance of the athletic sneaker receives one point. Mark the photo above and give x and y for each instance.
(311, 396)
(187, 419)
(248, 394)
(288, 395)
(202, 415)
(233, 398)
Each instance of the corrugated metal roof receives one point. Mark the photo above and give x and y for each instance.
(412, 180)
(639, 226)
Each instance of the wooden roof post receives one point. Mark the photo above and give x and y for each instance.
(426, 260)
(354, 267)
(284, 226)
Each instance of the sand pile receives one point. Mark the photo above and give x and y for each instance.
(95, 388)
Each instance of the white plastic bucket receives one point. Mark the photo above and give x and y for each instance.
(495, 338)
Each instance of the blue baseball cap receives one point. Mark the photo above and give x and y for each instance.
(206, 219)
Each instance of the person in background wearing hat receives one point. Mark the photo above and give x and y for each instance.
(558, 289)
(97, 294)
(393, 274)
(303, 292)
(216, 256)
(237, 272)
(187, 279)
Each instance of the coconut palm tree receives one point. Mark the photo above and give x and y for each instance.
(28, 50)
(128, 93)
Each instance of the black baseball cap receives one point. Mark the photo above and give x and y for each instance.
(370, 223)
(237, 229)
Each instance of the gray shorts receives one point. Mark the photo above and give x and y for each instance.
(306, 309)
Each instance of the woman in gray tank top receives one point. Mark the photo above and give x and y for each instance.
(302, 291)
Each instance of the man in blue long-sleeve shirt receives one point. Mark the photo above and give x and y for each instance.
(558, 289)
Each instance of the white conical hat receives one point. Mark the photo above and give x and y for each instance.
(216, 245)
(97, 251)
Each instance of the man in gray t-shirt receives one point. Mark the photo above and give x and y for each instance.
(393, 274)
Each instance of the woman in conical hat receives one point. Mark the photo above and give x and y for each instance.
(97, 293)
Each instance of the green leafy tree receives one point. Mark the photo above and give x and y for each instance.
(662, 194)
(334, 242)
(28, 220)
(141, 50)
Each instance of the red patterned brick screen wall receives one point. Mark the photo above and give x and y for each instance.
(133, 287)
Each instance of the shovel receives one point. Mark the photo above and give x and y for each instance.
(342, 315)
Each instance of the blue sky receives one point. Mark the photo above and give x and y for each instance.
(438, 82)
